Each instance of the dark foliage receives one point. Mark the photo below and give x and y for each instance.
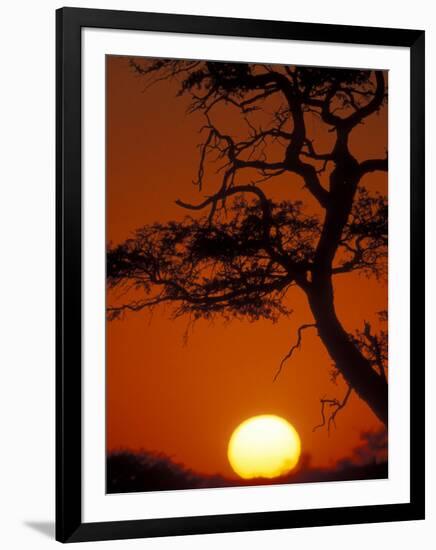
(140, 472)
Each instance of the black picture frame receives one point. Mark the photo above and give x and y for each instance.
(69, 525)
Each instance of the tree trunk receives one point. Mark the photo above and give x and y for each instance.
(354, 367)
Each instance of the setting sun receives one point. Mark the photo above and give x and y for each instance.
(264, 446)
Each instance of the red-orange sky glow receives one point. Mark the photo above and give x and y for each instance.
(185, 398)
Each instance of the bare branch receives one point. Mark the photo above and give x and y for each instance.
(371, 165)
(359, 113)
(373, 105)
(293, 348)
(336, 405)
(311, 153)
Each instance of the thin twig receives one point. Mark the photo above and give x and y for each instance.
(293, 348)
(332, 403)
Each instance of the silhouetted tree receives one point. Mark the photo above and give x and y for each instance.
(243, 252)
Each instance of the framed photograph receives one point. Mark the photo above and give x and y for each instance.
(240, 274)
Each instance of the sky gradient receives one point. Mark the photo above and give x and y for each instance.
(184, 397)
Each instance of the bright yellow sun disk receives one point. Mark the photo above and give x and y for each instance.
(264, 446)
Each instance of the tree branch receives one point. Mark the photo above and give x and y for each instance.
(294, 269)
(372, 165)
(373, 105)
(333, 403)
(359, 113)
(293, 348)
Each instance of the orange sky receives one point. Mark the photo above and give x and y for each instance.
(186, 399)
